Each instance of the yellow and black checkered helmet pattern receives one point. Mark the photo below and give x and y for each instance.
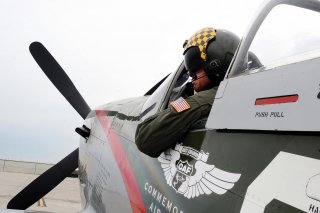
(201, 39)
(212, 50)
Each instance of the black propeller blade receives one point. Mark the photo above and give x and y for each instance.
(59, 78)
(56, 174)
(45, 182)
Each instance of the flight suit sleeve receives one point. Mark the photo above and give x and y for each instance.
(167, 127)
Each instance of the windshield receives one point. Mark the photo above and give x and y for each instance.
(287, 34)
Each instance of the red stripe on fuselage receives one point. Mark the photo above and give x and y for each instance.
(123, 163)
(277, 100)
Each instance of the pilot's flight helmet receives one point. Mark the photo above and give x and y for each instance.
(211, 49)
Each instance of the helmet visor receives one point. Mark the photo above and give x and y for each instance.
(193, 60)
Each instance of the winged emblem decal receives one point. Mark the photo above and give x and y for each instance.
(193, 180)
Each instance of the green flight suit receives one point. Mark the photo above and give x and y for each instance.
(166, 128)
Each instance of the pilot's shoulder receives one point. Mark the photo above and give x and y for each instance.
(204, 97)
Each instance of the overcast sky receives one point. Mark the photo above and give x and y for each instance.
(111, 50)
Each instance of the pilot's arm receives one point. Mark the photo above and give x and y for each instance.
(167, 127)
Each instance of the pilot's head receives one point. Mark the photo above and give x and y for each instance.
(207, 55)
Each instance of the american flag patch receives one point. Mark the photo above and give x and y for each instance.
(180, 104)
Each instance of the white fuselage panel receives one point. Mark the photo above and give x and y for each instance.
(235, 107)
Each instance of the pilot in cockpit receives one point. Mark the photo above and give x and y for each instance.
(207, 55)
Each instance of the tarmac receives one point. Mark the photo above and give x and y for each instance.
(65, 198)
